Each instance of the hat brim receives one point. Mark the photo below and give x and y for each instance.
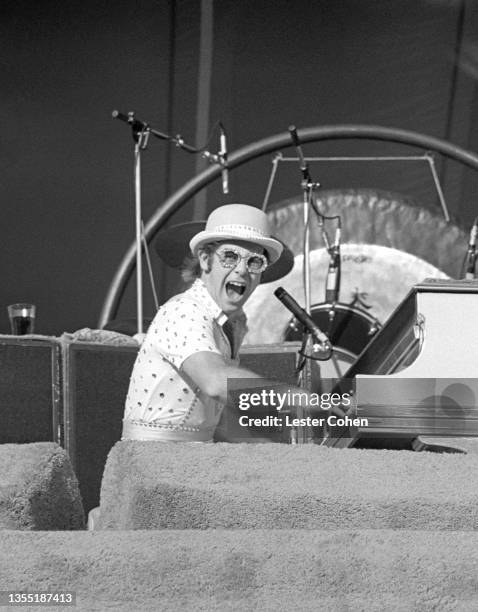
(172, 243)
(172, 246)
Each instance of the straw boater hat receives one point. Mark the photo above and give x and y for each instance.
(229, 222)
(238, 222)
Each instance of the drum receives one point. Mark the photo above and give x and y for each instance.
(349, 330)
(374, 277)
(345, 326)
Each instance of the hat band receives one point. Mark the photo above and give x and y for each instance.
(235, 229)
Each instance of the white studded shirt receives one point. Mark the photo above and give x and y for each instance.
(162, 402)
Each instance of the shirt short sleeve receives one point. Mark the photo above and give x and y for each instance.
(181, 328)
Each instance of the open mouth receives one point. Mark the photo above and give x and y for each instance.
(233, 289)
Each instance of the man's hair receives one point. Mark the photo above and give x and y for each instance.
(191, 269)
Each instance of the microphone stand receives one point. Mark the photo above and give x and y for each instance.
(308, 188)
(141, 132)
(141, 142)
(303, 435)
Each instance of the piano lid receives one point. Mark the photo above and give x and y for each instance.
(419, 374)
(448, 285)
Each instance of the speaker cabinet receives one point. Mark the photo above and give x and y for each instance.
(95, 384)
(276, 361)
(272, 361)
(74, 393)
(30, 398)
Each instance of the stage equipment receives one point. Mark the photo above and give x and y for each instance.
(349, 332)
(371, 216)
(418, 374)
(95, 384)
(141, 132)
(469, 263)
(321, 340)
(314, 342)
(223, 159)
(375, 279)
(258, 149)
(273, 362)
(30, 389)
(308, 189)
(429, 159)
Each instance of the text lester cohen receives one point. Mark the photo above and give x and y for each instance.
(289, 421)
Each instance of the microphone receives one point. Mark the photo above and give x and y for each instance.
(303, 317)
(140, 128)
(294, 136)
(121, 116)
(223, 160)
(332, 285)
(296, 142)
(333, 277)
(470, 257)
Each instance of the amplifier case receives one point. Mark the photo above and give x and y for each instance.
(95, 384)
(73, 393)
(30, 389)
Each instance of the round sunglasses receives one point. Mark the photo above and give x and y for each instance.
(230, 258)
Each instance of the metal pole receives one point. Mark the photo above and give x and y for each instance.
(138, 225)
(257, 149)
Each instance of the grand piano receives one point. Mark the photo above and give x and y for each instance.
(418, 376)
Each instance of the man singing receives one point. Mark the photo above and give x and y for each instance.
(178, 386)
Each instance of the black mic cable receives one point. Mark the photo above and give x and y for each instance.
(470, 257)
(332, 286)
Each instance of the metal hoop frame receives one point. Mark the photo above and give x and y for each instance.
(258, 149)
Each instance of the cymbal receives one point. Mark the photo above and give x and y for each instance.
(172, 246)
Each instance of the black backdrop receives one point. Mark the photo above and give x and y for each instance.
(67, 197)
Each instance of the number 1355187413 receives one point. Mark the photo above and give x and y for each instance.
(37, 598)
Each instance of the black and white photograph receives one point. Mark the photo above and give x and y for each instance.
(239, 305)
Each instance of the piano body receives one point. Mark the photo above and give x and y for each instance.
(419, 374)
